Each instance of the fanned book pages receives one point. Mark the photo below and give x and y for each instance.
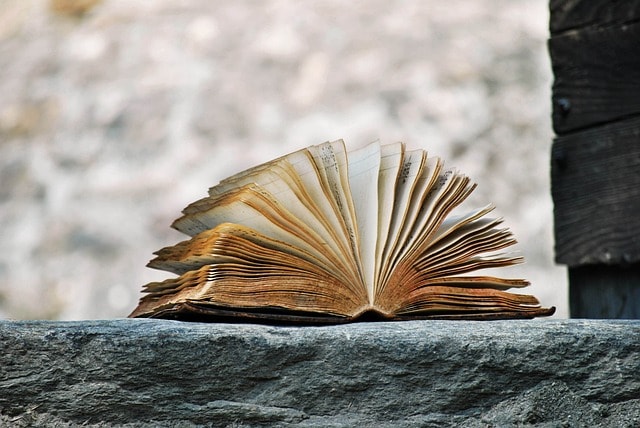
(325, 236)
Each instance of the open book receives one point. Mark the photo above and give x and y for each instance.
(325, 236)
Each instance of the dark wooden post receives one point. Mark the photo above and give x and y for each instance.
(595, 159)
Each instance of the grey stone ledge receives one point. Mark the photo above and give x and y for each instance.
(543, 373)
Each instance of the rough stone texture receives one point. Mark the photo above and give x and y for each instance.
(541, 373)
(115, 114)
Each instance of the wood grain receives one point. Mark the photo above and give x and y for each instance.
(596, 191)
(567, 15)
(597, 76)
(601, 292)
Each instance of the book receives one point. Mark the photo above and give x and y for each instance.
(323, 236)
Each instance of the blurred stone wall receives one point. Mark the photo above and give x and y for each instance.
(115, 114)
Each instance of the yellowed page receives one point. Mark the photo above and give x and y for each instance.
(391, 162)
(447, 183)
(255, 208)
(447, 231)
(288, 191)
(320, 199)
(364, 170)
(249, 270)
(297, 183)
(412, 179)
(331, 161)
(469, 247)
(415, 210)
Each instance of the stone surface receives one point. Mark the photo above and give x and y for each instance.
(542, 373)
(116, 114)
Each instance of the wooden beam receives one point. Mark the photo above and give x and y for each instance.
(595, 166)
(597, 76)
(567, 15)
(600, 291)
(595, 184)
